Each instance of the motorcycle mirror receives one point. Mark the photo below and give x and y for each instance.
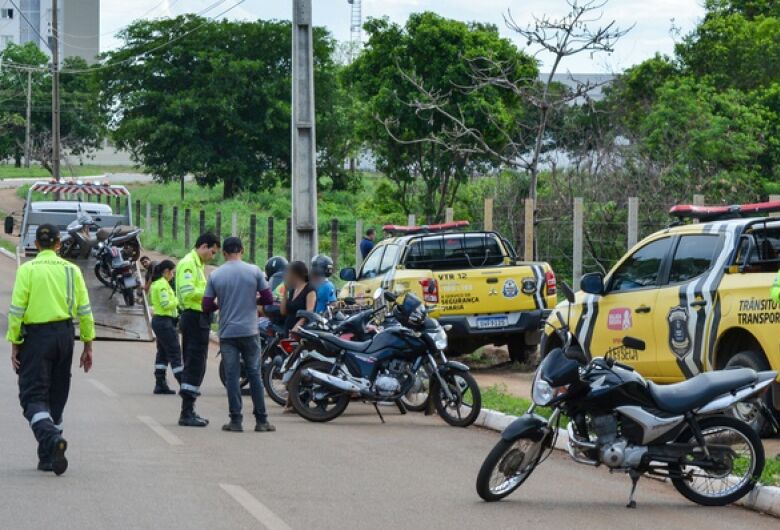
(633, 343)
(575, 353)
(350, 301)
(567, 292)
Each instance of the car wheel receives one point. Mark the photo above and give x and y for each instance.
(748, 411)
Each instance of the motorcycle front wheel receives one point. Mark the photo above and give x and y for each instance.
(102, 277)
(462, 407)
(507, 466)
(731, 473)
(311, 400)
(243, 381)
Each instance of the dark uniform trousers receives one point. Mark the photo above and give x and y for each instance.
(45, 359)
(168, 349)
(195, 329)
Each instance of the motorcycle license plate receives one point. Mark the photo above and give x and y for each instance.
(492, 322)
(130, 283)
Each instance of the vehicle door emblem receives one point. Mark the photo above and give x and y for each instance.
(679, 337)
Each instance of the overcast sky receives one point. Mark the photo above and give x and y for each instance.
(653, 19)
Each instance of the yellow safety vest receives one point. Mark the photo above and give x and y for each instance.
(190, 281)
(163, 298)
(775, 292)
(49, 289)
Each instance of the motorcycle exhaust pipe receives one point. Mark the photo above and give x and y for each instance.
(331, 381)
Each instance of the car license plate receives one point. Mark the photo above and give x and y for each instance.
(492, 322)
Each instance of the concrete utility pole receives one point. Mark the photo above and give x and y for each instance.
(304, 171)
(29, 117)
(55, 92)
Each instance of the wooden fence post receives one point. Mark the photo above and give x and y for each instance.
(270, 236)
(576, 273)
(698, 200)
(187, 227)
(175, 224)
(774, 198)
(149, 217)
(449, 215)
(487, 223)
(411, 220)
(137, 218)
(159, 221)
(252, 234)
(358, 239)
(218, 225)
(202, 222)
(334, 241)
(234, 225)
(529, 230)
(288, 242)
(633, 221)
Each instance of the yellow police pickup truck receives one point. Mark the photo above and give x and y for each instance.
(474, 279)
(697, 294)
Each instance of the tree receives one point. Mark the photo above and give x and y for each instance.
(212, 99)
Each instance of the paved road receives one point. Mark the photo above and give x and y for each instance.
(133, 467)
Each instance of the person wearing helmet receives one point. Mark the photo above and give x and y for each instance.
(320, 272)
(275, 268)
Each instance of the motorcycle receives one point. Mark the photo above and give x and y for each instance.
(114, 267)
(384, 368)
(620, 420)
(79, 241)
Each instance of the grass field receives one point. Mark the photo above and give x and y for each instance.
(9, 171)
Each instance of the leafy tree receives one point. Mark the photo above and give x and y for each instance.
(213, 99)
(412, 145)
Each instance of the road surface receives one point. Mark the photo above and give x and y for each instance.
(131, 466)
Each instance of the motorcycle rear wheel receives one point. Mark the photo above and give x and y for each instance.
(742, 472)
(302, 396)
(466, 395)
(243, 381)
(102, 278)
(507, 466)
(272, 381)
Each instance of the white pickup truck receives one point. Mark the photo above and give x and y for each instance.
(113, 319)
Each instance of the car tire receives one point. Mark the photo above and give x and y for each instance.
(519, 351)
(754, 418)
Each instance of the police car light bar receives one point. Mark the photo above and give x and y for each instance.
(719, 213)
(424, 229)
(74, 188)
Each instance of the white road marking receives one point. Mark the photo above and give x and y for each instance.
(103, 388)
(256, 509)
(161, 431)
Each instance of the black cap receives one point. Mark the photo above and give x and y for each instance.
(47, 235)
(232, 245)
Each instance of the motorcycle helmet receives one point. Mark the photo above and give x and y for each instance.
(321, 265)
(411, 312)
(275, 265)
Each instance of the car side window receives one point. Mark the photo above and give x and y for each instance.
(693, 257)
(390, 259)
(641, 270)
(370, 267)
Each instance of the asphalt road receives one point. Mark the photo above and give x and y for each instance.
(131, 466)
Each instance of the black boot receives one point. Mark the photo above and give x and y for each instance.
(59, 464)
(162, 385)
(189, 418)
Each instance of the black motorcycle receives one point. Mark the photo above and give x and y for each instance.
(633, 426)
(384, 369)
(114, 267)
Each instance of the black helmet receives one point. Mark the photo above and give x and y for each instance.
(321, 265)
(274, 265)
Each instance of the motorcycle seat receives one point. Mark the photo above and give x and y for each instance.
(341, 344)
(105, 232)
(683, 397)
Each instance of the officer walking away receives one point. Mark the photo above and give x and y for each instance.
(368, 242)
(49, 293)
(164, 320)
(321, 270)
(236, 289)
(195, 324)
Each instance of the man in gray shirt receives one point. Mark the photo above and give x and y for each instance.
(236, 289)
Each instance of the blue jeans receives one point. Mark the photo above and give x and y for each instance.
(233, 350)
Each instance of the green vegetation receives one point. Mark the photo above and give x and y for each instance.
(771, 474)
(83, 170)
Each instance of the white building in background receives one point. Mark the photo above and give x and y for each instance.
(79, 26)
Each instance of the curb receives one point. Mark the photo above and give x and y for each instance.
(763, 499)
(7, 254)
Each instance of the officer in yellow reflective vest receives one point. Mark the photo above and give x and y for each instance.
(162, 297)
(194, 324)
(49, 293)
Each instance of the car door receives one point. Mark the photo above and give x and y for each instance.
(368, 278)
(684, 305)
(627, 307)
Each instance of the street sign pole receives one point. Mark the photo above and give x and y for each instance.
(304, 171)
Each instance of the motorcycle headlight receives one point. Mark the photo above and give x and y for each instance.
(542, 393)
(440, 337)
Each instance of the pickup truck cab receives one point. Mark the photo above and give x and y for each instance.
(697, 294)
(473, 279)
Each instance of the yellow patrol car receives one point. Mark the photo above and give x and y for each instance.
(473, 279)
(697, 294)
